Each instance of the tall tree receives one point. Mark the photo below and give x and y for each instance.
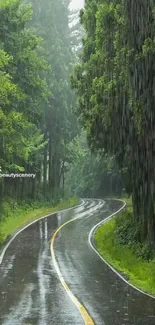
(24, 89)
(115, 86)
(51, 21)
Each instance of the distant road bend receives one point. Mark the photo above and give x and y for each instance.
(63, 281)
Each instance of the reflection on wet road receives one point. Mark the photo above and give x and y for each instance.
(30, 290)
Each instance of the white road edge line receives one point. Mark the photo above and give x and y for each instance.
(50, 214)
(112, 268)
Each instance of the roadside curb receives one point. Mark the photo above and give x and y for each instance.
(90, 241)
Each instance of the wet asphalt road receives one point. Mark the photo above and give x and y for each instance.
(30, 290)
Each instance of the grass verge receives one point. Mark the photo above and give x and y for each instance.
(21, 217)
(139, 272)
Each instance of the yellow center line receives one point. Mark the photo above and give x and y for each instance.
(87, 319)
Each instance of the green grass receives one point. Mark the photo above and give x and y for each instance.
(22, 217)
(138, 271)
(128, 201)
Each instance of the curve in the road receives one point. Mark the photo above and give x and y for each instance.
(91, 234)
(30, 224)
(86, 317)
(31, 291)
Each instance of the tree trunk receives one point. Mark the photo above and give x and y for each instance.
(45, 167)
(50, 163)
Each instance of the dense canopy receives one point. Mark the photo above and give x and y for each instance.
(115, 87)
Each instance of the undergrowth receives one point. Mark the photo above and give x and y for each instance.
(128, 233)
(16, 215)
(117, 241)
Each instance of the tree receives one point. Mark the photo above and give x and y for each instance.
(115, 87)
(51, 21)
(23, 90)
(92, 175)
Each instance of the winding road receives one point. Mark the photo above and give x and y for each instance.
(50, 277)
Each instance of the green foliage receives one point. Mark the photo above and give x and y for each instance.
(128, 233)
(51, 21)
(126, 230)
(22, 87)
(133, 266)
(17, 215)
(2, 237)
(37, 122)
(93, 175)
(114, 82)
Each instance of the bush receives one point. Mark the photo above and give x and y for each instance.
(143, 251)
(1, 237)
(127, 233)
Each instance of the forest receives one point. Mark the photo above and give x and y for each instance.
(115, 86)
(77, 103)
(40, 133)
(37, 123)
